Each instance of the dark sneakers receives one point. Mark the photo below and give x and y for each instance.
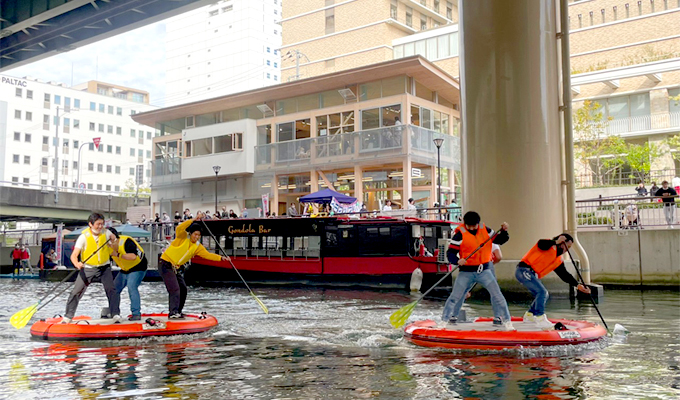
(135, 318)
(176, 316)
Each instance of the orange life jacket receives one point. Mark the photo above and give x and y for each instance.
(470, 243)
(542, 261)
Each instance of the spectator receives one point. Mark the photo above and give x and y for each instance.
(641, 189)
(632, 216)
(667, 195)
(166, 224)
(232, 214)
(244, 214)
(156, 227)
(187, 215)
(411, 204)
(454, 211)
(51, 259)
(26, 259)
(653, 189)
(216, 216)
(143, 222)
(292, 210)
(16, 258)
(387, 206)
(178, 218)
(225, 214)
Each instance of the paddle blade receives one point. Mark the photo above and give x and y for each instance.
(399, 317)
(262, 306)
(21, 318)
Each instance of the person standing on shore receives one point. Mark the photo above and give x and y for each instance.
(92, 246)
(173, 260)
(16, 258)
(668, 195)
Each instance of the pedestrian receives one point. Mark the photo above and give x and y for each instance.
(387, 206)
(466, 239)
(173, 263)
(156, 228)
(411, 204)
(454, 211)
(641, 189)
(653, 189)
(167, 224)
(225, 214)
(16, 258)
(178, 218)
(129, 256)
(543, 258)
(93, 246)
(292, 210)
(668, 195)
(26, 259)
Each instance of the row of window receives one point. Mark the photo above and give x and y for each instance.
(627, 11)
(76, 125)
(27, 181)
(76, 144)
(103, 108)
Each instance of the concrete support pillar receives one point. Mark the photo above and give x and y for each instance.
(274, 201)
(314, 181)
(408, 187)
(359, 183)
(511, 138)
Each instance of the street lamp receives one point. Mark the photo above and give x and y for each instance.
(79, 165)
(438, 142)
(109, 208)
(217, 169)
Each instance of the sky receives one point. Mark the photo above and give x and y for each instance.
(135, 59)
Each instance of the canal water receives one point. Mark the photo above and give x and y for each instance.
(336, 344)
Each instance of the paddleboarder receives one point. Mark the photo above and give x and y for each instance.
(129, 256)
(476, 267)
(92, 246)
(543, 258)
(174, 259)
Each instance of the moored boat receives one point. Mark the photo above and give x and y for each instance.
(483, 335)
(86, 328)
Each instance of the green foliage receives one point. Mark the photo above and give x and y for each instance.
(674, 142)
(640, 157)
(130, 190)
(603, 152)
(595, 221)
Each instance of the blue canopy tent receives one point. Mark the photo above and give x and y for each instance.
(325, 196)
(127, 230)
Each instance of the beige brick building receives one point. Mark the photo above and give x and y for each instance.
(625, 55)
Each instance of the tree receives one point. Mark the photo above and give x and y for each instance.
(640, 157)
(130, 190)
(603, 152)
(674, 143)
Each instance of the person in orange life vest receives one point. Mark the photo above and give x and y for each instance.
(543, 258)
(92, 246)
(171, 267)
(496, 257)
(466, 238)
(16, 258)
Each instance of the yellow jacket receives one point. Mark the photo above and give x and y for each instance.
(181, 250)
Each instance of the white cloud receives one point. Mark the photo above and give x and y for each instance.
(134, 59)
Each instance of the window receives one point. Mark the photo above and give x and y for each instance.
(101, 128)
(268, 75)
(18, 92)
(26, 181)
(110, 110)
(15, 179)
(15, 158)
(109, 129)
(189, 121)
(118, 149)
(27, 138)
(140, 153)
(276, 77)
(330, 21)
(117, 188)
(435, 6)
(449, 10)
(75, 165)
(133, 133)
(132, 171)
(17, 136)
(212, 13)
(393, 9)
(90, 166)
(90, 146)
(89, 186)
(76, 144)
(148, 135)
(17, 114)
(268, 50)
(27, 160)
(119, 111)
(409, 16)
(109, 149)
(109, 168)
(76, 103)
(101, 148)
(423, 24)
(119, 130)
(29, 94)
(93, 106)
(99, 187)
(76, 124)
(57, 99)
(118, 170)
(268, 62)
(100, 168)
(102, 108)
(148, 154)
(132, 152)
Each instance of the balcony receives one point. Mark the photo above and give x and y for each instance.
(345, 150)
(655, 122)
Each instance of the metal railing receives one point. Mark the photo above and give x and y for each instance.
(625, 178)
(624, 213)
(370, 143)
(29, 237)
(62, 189)
(643, 123)
(166, 166)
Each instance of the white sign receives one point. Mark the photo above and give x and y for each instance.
(265, 203)
(416, 173)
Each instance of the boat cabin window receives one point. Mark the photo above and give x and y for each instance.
(428, 231)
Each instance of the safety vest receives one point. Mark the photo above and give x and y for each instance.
(124, 264)
(542, 261)
(181, 253)
(470, 243)
(92, 244)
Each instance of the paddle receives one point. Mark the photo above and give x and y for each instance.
(217, 242)
(589, 295)
(21, 318)
(399, 317)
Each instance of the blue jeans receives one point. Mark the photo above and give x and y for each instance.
(132, 280)
(464, 282)
(528, 278)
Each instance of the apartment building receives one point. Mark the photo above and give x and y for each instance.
(625, 55)
(37, 118)
(368, 132)
(227, 47)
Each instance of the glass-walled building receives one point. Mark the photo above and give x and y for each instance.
(366, 132)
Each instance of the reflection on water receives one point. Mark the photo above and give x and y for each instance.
(337, 344)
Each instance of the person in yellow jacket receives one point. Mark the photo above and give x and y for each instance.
(171, 267)
(129, 256)
(543, 258)
(93, 246)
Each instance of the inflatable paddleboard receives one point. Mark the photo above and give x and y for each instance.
(86, 328)
(482, 334)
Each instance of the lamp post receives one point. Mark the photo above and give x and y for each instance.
(216, 168)
(438, 142)
(109, 208)
(56, 159)
(79, 165)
